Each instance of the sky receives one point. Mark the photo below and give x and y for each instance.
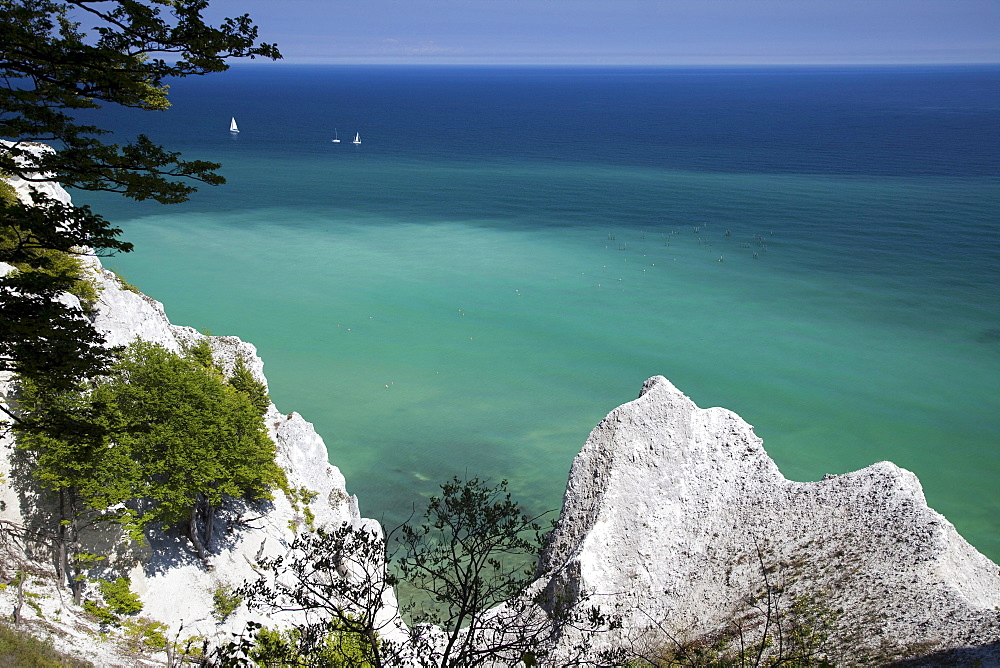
(627, 32)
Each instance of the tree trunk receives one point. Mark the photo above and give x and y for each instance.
(209, 523)
(61, 570)
(75, 572)
(193, 533)
(21, 575)
(373, 641)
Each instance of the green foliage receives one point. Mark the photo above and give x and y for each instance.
(68, 434)
(42, 338)
(300, 495)
(167, 431)
(474, 550)
(243, 381)
(120, 597)
(24, 651)
(52, 66)
(225, 601)
(102, 612)
(146, 634)
(62, 267)
(338, 577)
(8, 195)
(192, 649)
(87, 559)
(338, 649)
(201, 352)
(119, 600)
(32, 598)
(68, 267)
(195, 437)
(300, 498)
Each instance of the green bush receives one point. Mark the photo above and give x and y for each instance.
(48, 261)
(201, 352)
(101, 612)
(173, 433)
(243, 381)
(225, 602)
(7, 192)
(83, 286)
(66, 267)
(120, 597)
(341, 649)
(146, 633)
(120, 600)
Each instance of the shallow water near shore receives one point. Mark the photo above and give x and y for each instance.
(512, 252)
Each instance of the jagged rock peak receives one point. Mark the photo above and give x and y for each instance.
(673, 514)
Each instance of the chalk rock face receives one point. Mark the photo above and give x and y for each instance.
(175, 586)
(24, 188)
(672, 514)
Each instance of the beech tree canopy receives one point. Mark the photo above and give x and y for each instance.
(177, 442)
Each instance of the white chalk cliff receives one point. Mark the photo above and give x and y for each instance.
(175, 586)
(667, 505)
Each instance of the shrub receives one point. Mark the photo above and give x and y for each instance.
(243, 381)
(120, 597)
(225, 602)
(68, 269)
(120, 600)
(101, 612)
(201, 352)
(7, 192)
(339, 649)
(147, 633)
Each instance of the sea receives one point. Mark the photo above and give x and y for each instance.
(511, 251)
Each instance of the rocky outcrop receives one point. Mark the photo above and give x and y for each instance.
(674, 516)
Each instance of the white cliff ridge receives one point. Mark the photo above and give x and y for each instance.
(673, 514)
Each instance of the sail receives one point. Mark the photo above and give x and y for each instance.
(232, 125)
(357, 138)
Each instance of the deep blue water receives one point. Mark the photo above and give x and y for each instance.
(512, 251)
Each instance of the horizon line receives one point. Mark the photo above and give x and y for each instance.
(467, 63)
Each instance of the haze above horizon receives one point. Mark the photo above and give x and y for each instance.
(628, 32)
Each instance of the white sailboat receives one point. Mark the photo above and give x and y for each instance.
(232, 126)
(357, 139)
(336, 137)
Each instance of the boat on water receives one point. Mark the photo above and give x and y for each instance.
(232, 126)
(336, 137)
(357, 139)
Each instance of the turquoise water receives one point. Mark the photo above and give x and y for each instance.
(454, 297)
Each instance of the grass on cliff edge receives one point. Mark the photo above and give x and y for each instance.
(20, 650)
